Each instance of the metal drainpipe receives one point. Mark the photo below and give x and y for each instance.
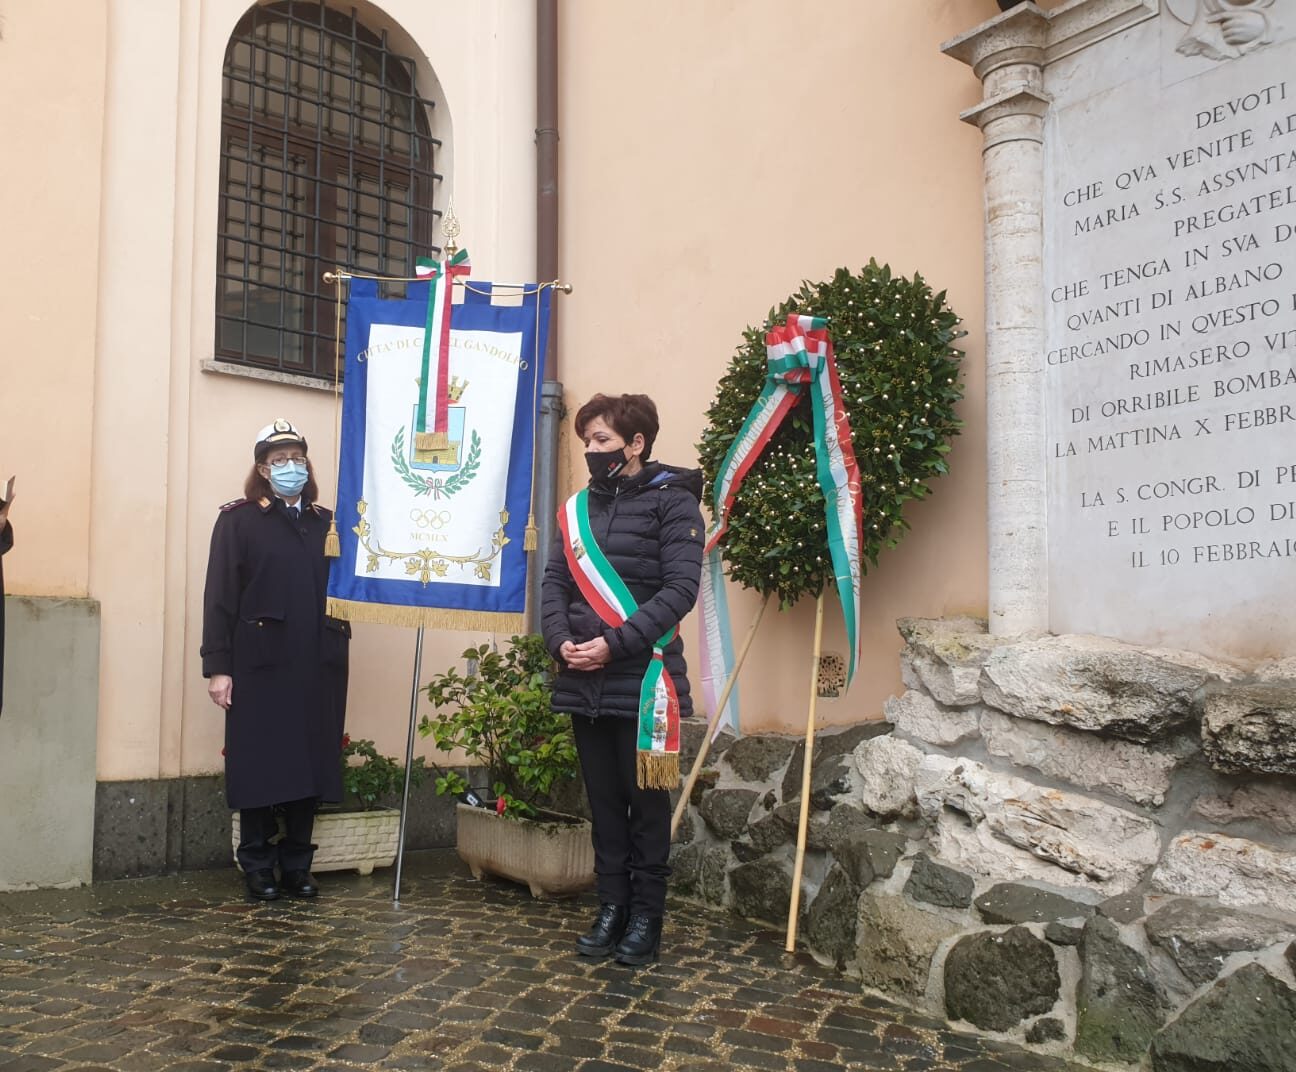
(551, 392)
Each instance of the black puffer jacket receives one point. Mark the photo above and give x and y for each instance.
(650, 528)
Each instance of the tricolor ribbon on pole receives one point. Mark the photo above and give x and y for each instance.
(799, 361)
(657, 763)
(437, 336)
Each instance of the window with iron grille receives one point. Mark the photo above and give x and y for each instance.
(327, 160)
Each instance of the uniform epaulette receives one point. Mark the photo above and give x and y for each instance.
(233, 504)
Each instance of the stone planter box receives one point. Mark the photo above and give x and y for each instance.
(361, 840)
(554, 859)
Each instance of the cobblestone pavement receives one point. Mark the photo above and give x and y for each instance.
(183, 974)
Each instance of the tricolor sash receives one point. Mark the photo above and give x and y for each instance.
(657, 765)
(799, 360)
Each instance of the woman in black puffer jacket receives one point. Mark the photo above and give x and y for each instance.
(644, 518)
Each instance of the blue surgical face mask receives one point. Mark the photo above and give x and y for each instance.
(288, 479)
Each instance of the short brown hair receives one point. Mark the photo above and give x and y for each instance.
(627, 415)
(257, 487)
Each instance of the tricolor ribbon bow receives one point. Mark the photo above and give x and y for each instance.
(799, 361)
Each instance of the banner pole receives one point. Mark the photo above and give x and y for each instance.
(409, 763)
(682, 803)
(805, 780)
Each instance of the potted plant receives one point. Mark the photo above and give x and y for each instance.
(359, 832)
(497, 713)
(375, 776)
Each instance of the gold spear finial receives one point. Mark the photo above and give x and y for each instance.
(450, 228)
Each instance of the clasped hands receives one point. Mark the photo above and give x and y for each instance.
(588, 656)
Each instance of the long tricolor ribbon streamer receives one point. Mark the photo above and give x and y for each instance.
(799, 360)
(606, 593)
(437, 333)
(716, 641)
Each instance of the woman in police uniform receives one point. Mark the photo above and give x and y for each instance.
(275, 662)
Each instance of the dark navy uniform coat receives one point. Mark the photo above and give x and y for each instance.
(264, 625)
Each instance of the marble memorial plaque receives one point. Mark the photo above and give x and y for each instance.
(1170, 363)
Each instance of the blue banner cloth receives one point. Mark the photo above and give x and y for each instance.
(435, 536)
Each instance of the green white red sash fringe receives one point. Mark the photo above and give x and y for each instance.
(799, 361)
(657, 763)
(437, 333)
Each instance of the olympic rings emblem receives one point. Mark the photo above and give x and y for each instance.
(430, 519)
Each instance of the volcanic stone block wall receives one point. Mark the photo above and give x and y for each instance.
(1077, 843)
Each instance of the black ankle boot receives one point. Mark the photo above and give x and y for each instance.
(606, 932)
(641, 941)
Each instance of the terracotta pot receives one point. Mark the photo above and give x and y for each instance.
(554, 859)
(361, 840)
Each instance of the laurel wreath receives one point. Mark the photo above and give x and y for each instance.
(434, 485)
(899, 368)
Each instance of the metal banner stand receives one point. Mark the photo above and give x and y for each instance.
(409, 763)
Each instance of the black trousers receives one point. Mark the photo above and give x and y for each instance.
(631, 825)
(258, 827)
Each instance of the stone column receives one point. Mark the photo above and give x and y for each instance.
(1007, 54)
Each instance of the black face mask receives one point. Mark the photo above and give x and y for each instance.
(606, 464)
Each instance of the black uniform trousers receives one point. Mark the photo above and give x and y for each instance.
(257, 850)
(631, 825)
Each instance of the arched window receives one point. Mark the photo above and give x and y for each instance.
(327, 158)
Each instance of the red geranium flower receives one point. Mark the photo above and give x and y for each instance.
(500, 805)
(346, 740)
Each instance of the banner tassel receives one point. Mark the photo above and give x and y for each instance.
(332, 543)
(531, 535)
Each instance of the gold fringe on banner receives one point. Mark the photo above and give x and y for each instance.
(430, 617)
(658, 770)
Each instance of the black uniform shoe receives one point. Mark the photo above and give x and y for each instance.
(606, 932)
(300, 883)
(261, 885)
(641, 940)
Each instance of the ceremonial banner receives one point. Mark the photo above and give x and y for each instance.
(437, 445)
